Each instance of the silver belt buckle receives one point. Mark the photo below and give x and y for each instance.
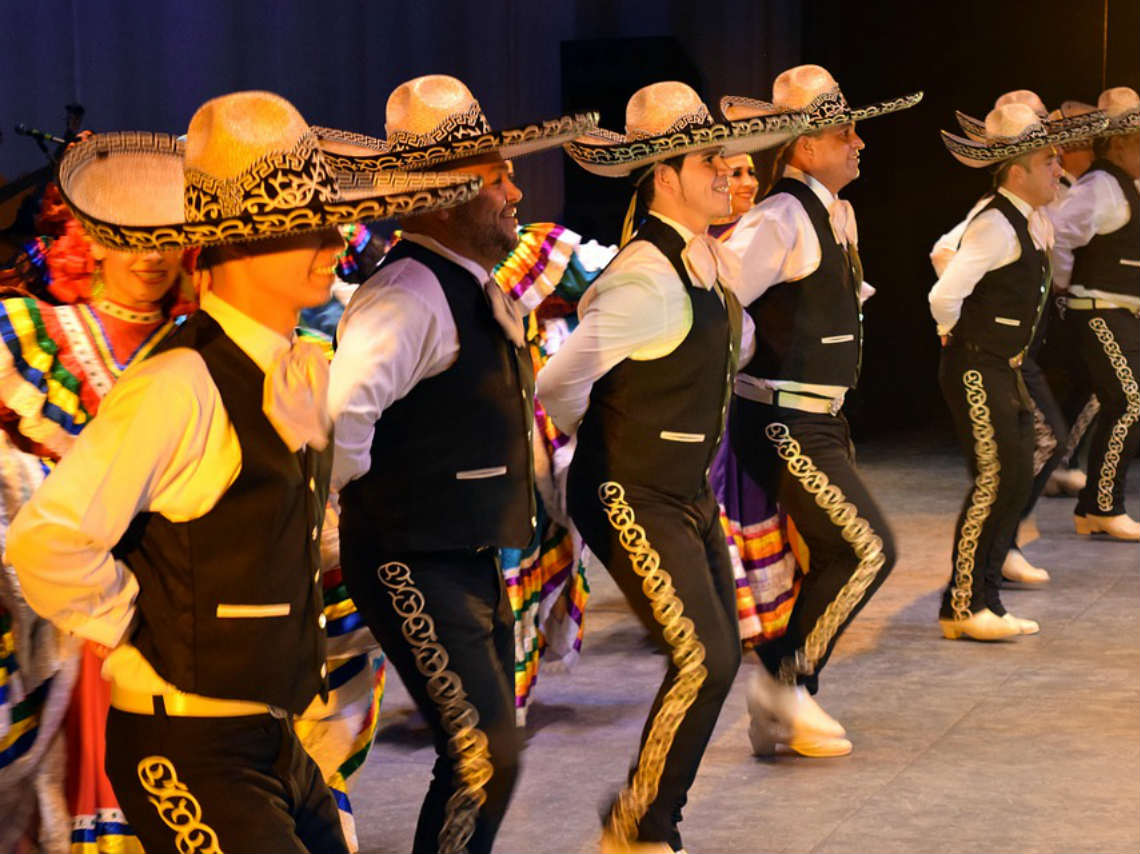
(834, 405)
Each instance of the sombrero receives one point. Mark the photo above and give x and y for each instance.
(1014, 129)
(667, 119)
(1122, 106)
(435, 119)
(249, 168)
(812, 91)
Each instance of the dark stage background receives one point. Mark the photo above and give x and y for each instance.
(150, 63)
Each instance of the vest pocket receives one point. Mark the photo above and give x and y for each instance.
(672, 436)
(280, 609)
(836, 339)
(479, 474)
(1007, 321)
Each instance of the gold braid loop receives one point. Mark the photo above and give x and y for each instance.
(1080, 425)
(687, 654)
(856, 532)
(1045, 442)
(178, 809)
(467, 744)
(1106, 477)
(982, 498)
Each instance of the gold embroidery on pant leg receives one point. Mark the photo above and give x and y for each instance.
(467, 744)
(983, 495)
(1080, 425)
(686, 652)
(1044, 442)
(1106, 479)
(178, 809)
(856, 532)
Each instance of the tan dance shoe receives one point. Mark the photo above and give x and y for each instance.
(1020, 571)
(790, 705)
(1119, 527)
(984, 625)
(611, 844)
(1024, 626)
(769, 737)
(1065, 482)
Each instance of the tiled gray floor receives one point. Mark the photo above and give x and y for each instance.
(1032, 745)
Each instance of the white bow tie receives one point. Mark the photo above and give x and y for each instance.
(1041, 229)
(707, 261)
(843, 226)
(295, 396)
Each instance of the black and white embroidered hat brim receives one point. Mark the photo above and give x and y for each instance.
(131, 190)
(977, 154)
(1127, 122)
(463, 136)
(615, 155)
(975, 129)
(826, 110)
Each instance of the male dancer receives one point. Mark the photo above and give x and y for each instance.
(987, 305)
(644, 380)
(802, 283)
(182, 527)
(1098, 259)
(432, 392)
(1049, 428)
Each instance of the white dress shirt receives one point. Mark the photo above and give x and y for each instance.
(636, 309)
(396, 332)
(989, 242)
(947, 244)
(776, 243)
(162, 443)
(1095, 205)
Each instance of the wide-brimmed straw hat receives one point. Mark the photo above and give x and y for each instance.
(1122, 106)
(249, 168)
(667, 119)
(435, 119)
(811, 90)
(1014, 129)
(1068, 110)
(976, 128)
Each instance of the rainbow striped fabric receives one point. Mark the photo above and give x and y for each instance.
(56, 365)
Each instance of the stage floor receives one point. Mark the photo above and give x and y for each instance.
(1025, 746)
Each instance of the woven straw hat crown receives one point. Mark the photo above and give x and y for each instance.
(229, 134)
(1010, 121)
(796, 88)
(661, 108)
(1023, 96)
(421, 110)
(1118, 100)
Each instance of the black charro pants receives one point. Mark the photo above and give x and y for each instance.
(1050, 431)
(806, 460)
(236, 784)
(446, 624)
(993, 420)
(1068, 378)
(670, 559)
(1110, 346)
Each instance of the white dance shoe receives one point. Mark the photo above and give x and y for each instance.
(788, 715)
(1020, 571)
(1120, 527)
(1024, 626)
(984, 625)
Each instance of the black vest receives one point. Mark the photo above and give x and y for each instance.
(1001, 313)
(452, 461)
(811, 330)
(1111, 262)
(202, 582)
(658, 422)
